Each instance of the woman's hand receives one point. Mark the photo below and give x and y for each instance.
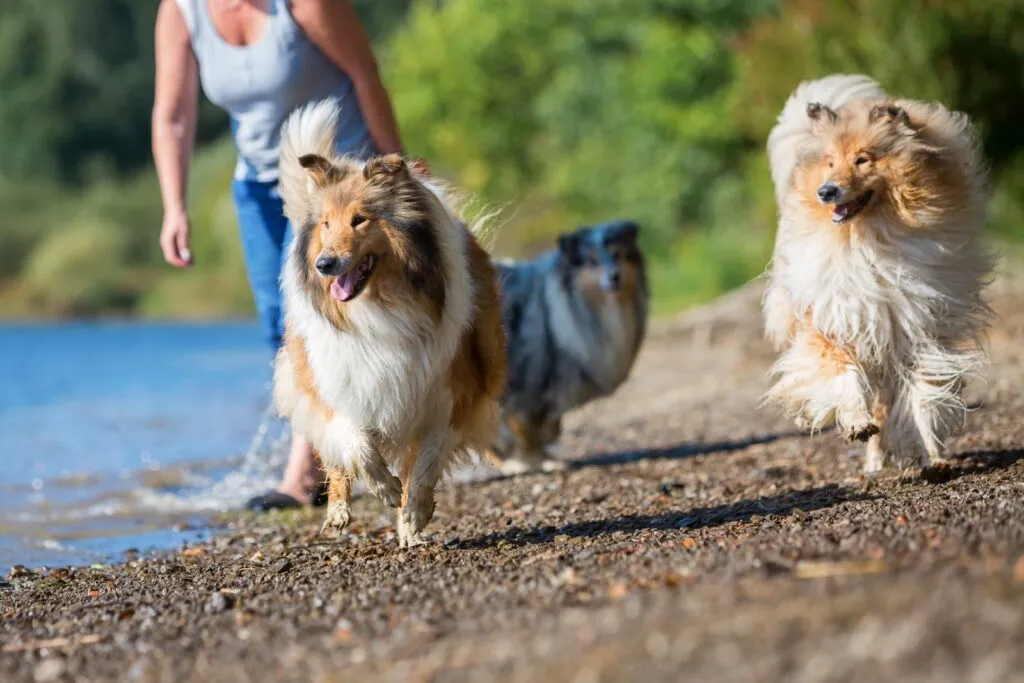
(174, 239)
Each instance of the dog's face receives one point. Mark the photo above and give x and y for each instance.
(371, 236)
(603, 259)
(859, 156)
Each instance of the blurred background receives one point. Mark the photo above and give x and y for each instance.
(559, 112)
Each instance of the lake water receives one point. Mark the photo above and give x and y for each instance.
(128, 435)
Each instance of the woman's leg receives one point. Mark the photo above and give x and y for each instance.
(265, 236)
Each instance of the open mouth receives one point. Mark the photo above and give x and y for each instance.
(351, 283)
(844, 212)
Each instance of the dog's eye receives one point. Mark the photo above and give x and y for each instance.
(831, 165)
(357, 220)
(861, 160)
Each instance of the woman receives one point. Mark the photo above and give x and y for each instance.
(259, 60)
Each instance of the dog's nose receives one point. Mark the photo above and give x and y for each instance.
(611, 280)
(327, 264)
(829, 192)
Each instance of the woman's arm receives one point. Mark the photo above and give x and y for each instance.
(175, 110)
(334, 27)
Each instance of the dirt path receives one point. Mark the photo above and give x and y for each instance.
(695, 538)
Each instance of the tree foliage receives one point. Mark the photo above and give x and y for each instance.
(562, 111)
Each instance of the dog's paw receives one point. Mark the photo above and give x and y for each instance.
(513, 466)
(552, 465)
(937, 471)
(337, 518)
(858, 431)
(408, 534)
(524, 465)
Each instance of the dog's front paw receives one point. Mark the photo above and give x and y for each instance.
(937, 470)
(409, 536)
(338, 517)
(859, 432)
(513, 466)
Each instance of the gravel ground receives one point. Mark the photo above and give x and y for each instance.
(693, 537)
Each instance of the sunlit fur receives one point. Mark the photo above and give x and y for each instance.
(405, 377)
(879, 319)
(575, 318)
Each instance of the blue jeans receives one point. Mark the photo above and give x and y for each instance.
(266, 234)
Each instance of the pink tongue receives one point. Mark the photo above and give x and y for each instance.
(343, 286)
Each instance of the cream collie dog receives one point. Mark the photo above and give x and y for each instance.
(394, 354)
(874, 295)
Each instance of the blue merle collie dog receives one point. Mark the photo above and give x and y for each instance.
(575, 318)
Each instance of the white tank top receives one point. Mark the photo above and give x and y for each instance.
(259, 85)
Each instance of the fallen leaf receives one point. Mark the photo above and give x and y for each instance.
(53, 643)
(689, 543)
(94, 594)
(821, 570)
(193, 552)
(1018, 570)
(902, 520)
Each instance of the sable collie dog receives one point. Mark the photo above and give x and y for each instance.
(874, 295)
(394, 354)
(575, 318)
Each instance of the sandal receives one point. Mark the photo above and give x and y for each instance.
(275, 500)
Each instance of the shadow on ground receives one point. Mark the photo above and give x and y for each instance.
(684, 450)
(974, 462)
(782, 505)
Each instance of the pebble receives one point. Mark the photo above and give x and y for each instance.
(220, 601)
(49, 670)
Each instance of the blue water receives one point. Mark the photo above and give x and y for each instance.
(119, 435)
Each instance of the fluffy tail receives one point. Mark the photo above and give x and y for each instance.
(308, 130)
(794, 126)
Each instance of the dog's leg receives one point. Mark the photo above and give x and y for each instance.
(357, 450)
(550, 431)
(422, 468)
(529, 453)
(820, 382)
(936, 405)
(339, 490)
(876, 459)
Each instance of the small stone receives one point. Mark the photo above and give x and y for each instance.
(220, 601)
(49, 670)
(618, 591)
(282, 565)
(689, 543)
(561, 538)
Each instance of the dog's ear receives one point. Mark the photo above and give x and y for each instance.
(894, 114)
(628, 231)
(321, 171)
(569, 245)
(387, 168)
(819, 113)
